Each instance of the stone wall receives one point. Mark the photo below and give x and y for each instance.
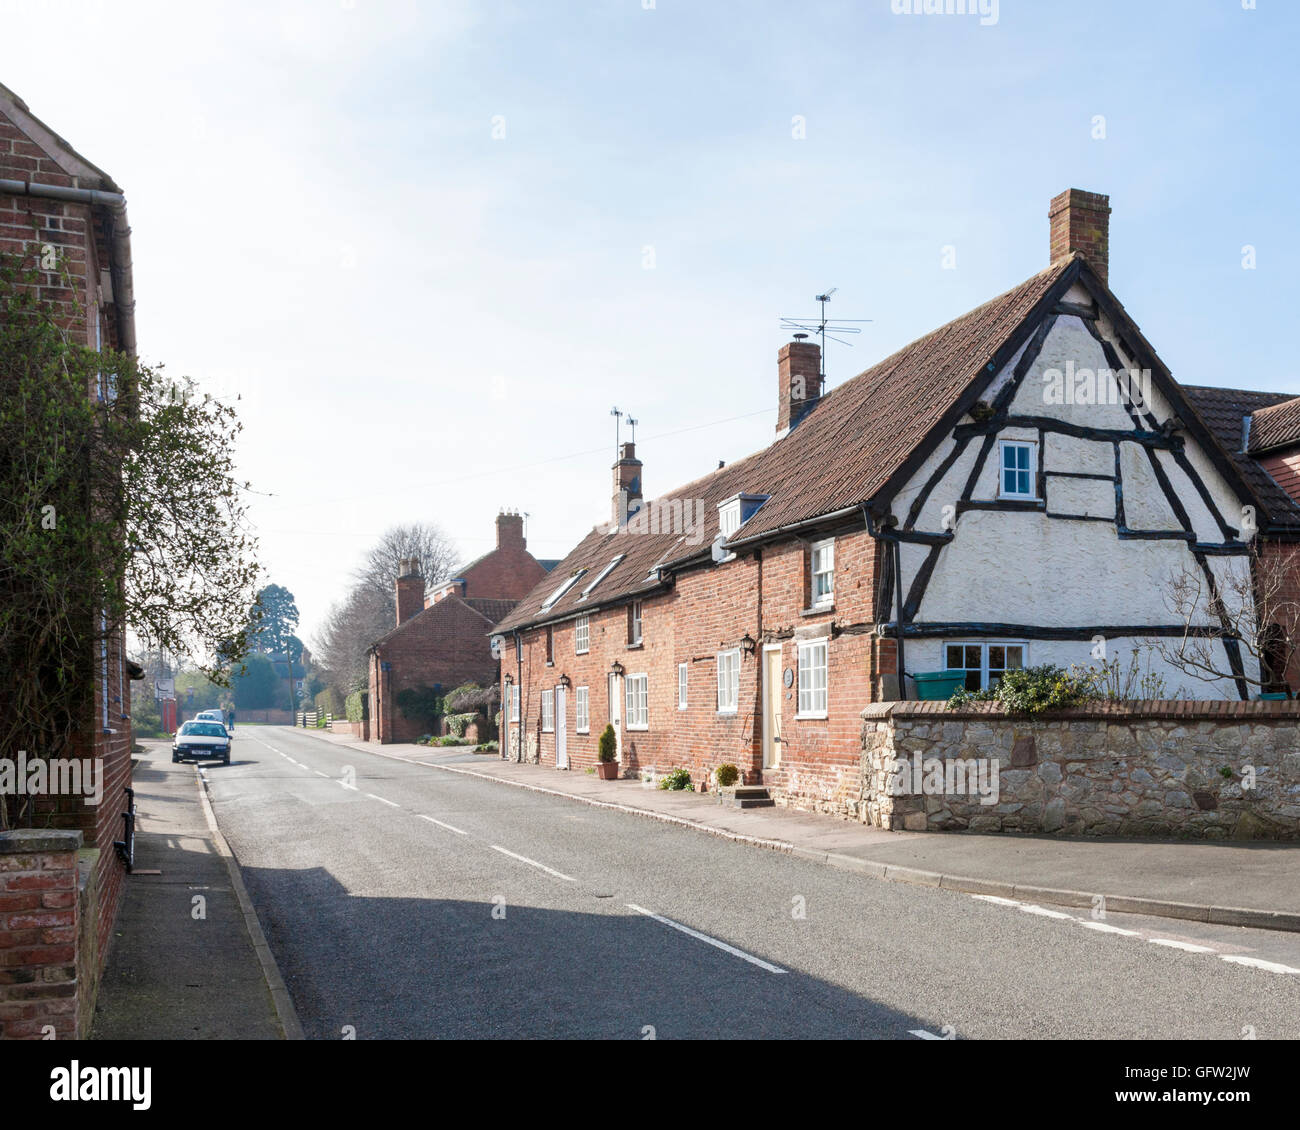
(1206, 770)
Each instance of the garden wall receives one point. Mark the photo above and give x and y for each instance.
(1206, 770)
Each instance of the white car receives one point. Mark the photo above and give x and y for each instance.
(211, 716)
(201, 739)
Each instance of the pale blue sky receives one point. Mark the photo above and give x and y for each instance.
(425, 322)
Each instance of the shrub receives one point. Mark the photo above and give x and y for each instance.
(358, 706)
(489, 747)
(458, 723)
(1032, 690)
(327, 702)
(608, 743)
(420, 704)
(678, 779)
(727, 775)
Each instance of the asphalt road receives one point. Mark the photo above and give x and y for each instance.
(406, 902)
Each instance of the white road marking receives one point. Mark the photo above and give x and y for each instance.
(705, 938)
(320, 774)
(1188, 947)
(534, 863)
(1258, 963)
(996, 900)
(922, 1034)
(1108, 929)
(440, 824)
(381, 800)
(1043, 912)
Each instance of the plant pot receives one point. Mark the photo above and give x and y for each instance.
(607, 770)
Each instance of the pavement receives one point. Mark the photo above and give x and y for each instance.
(1250, 884)
(187, 960)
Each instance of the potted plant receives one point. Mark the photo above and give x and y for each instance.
(607, 769)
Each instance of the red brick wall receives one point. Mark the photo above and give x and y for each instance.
(509, 572)
(77, 233)
(707, 611)
(446, 644)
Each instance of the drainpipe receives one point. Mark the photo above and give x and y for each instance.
(120, 265)
(890, 537)
(519, 682)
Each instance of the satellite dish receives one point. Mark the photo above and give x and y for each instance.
(720, 551)
(498, 644)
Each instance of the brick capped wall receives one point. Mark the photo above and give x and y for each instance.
(39, 986)
(709, 610)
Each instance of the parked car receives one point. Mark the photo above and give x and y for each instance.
(201, 739)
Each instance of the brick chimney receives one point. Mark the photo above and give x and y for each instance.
(410, 589)
(627, 485)
(1081, 222)
(799, 382)
(510, 531)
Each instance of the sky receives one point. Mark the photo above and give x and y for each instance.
(430, 245)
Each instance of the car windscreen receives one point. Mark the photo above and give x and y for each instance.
(203, 730)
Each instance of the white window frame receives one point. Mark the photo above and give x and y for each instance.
(636, 701)
(514, 703)
(984, 645)
(638, 627)
(548, 710)
(683, 684)
(729, 681)
(582, 711)
(825, 549)
(582, 635)
(1030, 446)
(813, 700)
(729, 517)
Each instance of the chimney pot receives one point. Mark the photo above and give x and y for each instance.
(1080, 221)
(627, 485)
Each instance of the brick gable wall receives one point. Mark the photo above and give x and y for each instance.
(507, 573)
(77, 233)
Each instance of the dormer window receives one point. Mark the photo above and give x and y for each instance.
(735, 511)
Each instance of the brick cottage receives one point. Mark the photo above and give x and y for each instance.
(439, 641)
(1003, 492)
(55, 927)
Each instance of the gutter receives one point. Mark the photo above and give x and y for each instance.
(114, 203)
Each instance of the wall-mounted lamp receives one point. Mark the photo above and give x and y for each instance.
(748, 643)
(510, 680)
(617, 668)
(565, 682)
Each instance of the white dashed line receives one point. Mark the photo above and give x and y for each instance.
(996, 900)
(1258, 963)
(1105, 928)
(320, 774)
(534, 863)
(705, 938)
(381, 800)
(440, 824)
(1186, 947)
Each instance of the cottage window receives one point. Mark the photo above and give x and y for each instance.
(1018, 469)
(634, 624)
(984, 663)
(822, 573)
(582, 716)
(548, 711)
(638, 702)
(812, 679)
(550, 645)
(681, 685)
(582, 636)
(514, 703)
(729, 681)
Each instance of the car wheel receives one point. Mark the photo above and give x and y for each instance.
(175, 758)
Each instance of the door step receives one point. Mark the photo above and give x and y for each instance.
(746, 796)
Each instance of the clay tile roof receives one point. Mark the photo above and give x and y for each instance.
(1276, 425)
(1223, 410)
(430, 614)
(842, 452)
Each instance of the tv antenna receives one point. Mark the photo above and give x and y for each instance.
(631, 423)
(618, 419)
(824, 327)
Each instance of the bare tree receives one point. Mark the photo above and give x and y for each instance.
(350, 628)
(423, 540)
(1250, 606)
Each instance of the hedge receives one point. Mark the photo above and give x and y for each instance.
(358, 706)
